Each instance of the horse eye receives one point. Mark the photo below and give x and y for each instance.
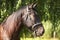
(29, 12)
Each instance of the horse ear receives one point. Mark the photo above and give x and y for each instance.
(32, 5)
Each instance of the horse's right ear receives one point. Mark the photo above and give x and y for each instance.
(32, 5)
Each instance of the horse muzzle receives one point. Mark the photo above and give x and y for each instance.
(38, 30)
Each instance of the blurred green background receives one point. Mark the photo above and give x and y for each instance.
(48, 10)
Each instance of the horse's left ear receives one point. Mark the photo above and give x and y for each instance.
(32, 5)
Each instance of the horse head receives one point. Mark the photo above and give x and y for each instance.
(32, 20)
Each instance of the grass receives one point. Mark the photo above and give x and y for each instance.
(39, 39)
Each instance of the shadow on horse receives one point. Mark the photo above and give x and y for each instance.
(10, 28)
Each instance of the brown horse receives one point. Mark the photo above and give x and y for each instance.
(10, 28)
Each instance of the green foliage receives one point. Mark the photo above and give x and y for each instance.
(48, 10)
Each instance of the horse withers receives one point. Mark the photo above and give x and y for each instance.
(10, 28)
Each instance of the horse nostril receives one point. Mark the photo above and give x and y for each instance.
(42, 32)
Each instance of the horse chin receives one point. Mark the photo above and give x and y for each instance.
(34, 35)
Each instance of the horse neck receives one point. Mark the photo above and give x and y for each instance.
(13, 22)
